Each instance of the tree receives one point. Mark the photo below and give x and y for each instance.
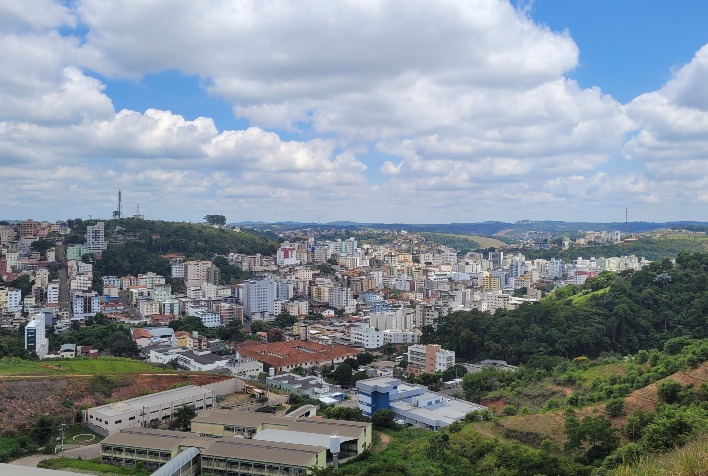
(615, 407)
(182, 417)
(284, 319)
(365, 358)
(354, 363)
(343, 374)
(383, 419)
(42, 430)
(592, 438)
(276, 335)
(215, 220)
(259, 326)
(669, 391)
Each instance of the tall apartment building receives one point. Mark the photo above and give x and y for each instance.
(198, 272)
(35, 339)
(53, 292)
(10, 299)
(28, 228)
(95, 238)
(429, 358)
(259, 299)
(341, 298)
(86, 304)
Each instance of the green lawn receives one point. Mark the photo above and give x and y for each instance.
(81, 366)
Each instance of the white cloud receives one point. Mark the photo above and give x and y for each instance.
(436, 111)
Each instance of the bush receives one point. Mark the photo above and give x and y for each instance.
(615, 407)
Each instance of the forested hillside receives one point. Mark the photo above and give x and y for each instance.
(622, 313)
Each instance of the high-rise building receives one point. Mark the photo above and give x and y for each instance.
(429, 358)
(95, 238)
(35, 340)
(259, 299)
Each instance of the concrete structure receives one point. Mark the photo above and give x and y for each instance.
(258, 299)
(367, 337)
(142, 411)
(95, 239)
(195, 361)
(310, 386)
(35, 338)
(429, 359)
(413, 404)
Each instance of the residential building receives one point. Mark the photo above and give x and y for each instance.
(86, 304)
(367, 337)
(258, 299)
(35, 336)
(429, 359)
(95, 239)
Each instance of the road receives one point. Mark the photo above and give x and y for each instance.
(84, 452)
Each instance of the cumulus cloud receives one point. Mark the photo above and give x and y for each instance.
(439, 111)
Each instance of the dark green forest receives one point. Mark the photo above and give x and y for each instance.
(621, 313)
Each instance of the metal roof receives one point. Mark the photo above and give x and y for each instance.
(173, 465)
(299, 437)
(160, 398)
(264, 451)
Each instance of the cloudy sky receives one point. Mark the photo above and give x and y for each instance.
(366, 110)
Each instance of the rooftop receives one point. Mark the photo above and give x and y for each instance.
(294, 352)
(159, 398)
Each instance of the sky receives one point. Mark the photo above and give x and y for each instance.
(431, 111)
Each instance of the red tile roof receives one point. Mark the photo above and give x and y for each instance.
(295, 352)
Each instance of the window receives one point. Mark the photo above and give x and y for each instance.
(118, 421)
(131, 418)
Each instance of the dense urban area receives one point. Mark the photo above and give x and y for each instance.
(133, 346)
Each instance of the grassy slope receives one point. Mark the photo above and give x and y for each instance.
(536, 427)
(690, 460)
(89, 466)
(95, 366)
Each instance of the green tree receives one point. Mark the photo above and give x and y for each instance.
(259, 326)
(591, 438)
(42, 430)
(365, 358)
(615, 407)
(284, 319)
(182, 417)
(383, 419)
(343, 374)
(669, 391)
(215, 220)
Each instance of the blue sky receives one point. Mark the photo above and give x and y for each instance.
(365, 111)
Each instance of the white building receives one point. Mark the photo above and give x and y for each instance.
(86, 304)
(53, 292)
(367, 337)
(259, 298)
(208, 318)
(95, 239)
(35, 339)
(341, 298)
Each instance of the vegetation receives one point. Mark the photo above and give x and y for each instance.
(92, 466)
(102, 334)
(104, 366)
(640, 310)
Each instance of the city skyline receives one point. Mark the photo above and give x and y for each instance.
(371, 112)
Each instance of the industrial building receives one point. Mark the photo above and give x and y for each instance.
(412, 404)
(142, 411)
(239, 443)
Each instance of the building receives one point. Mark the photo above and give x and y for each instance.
(412, 404)
(259, 299)
(95, 239)
(429, 359)
(309, 385)
(355, 437)
(35, 339)
(86, 304)
(142, 411)
(285, 356)
(367, 337)
(195, 361)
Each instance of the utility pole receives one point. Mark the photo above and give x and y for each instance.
(62, 439)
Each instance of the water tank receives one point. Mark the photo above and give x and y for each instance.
(334, 444)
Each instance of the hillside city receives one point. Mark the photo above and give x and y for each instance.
(358, 328)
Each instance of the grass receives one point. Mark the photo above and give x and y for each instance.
(690, 460)
(91, 466)
(583, 298)
(484, 241)
(78, 366)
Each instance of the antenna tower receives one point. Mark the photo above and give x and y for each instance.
(626, 221)
(119, 212)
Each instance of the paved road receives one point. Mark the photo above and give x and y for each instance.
(84, 452)
(63, 278)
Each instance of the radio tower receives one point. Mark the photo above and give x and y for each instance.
(119, 212)
(626, 221)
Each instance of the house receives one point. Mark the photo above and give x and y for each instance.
(67, 351)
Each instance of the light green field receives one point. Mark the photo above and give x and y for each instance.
(583, 298)
(79, 366)
(484, 241)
